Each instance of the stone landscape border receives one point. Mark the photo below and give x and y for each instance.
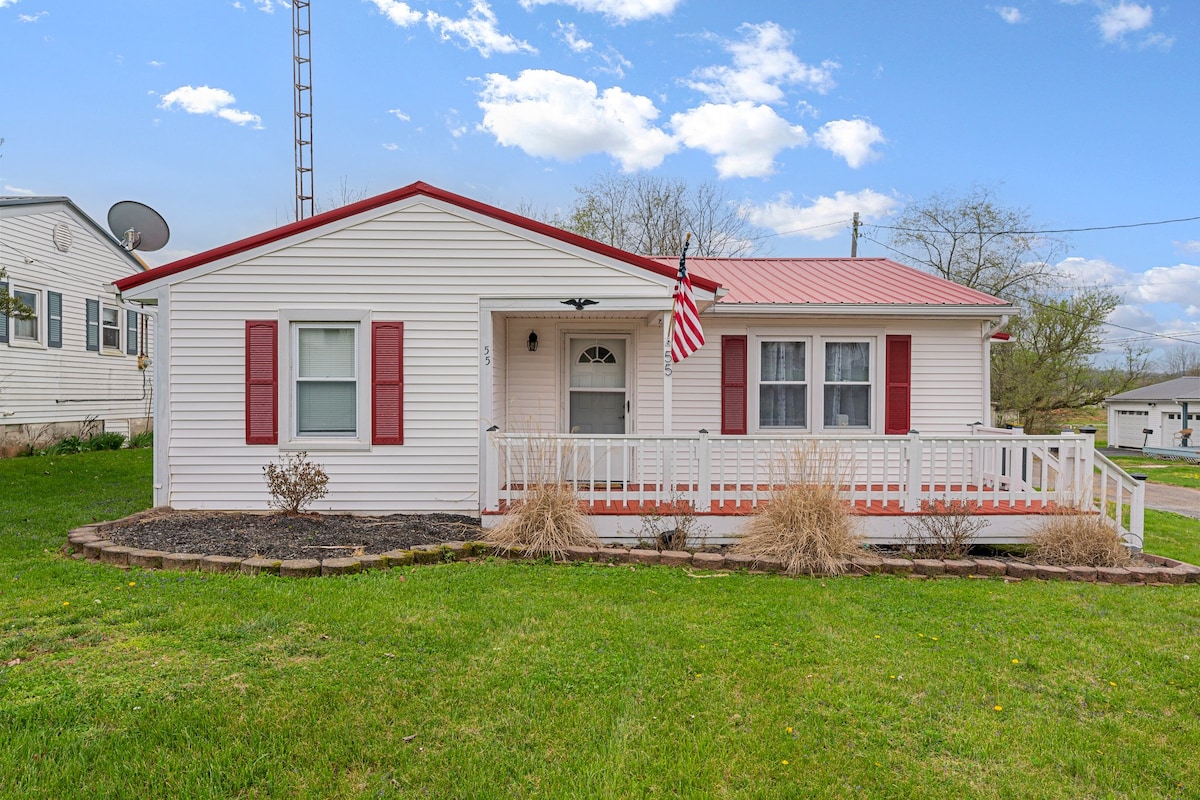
(88, 542)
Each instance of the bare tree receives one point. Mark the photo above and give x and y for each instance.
(1180, 360)
(652, 215)
(973, 240)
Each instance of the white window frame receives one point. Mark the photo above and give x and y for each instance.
(117, 348)
(39, 318)
(815, 339)
(807, 341)
(290, 323)
(871, 383)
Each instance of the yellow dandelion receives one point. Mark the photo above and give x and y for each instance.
(998, 708)
(877, 636)
(66, 602)
(785, 762)
(935, 638)
(788, 729)
(921, 635)
(1110, 683)
(133, 583)
(1016, 661)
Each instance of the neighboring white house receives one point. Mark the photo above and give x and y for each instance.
(1157, 408)
(423, 346)
(79, 363)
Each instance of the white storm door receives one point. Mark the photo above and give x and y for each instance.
(598, 402)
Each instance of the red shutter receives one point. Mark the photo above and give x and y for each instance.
(733, 384)
(262, 382)
(387, 383)
(897, 412)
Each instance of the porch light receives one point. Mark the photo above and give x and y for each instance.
(532, 341)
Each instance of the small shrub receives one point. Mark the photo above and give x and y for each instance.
(66, 447)
(295, 482)
(673, 526)
(545, 522)
(1072, 538)
(944, 528)
(805, 523)
(143, 439)
(104, 441)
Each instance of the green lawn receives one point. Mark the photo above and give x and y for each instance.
(1158, 470)
(505, 680)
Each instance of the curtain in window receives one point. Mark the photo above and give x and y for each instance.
(326, 389)
(847, 384)
(782, 392)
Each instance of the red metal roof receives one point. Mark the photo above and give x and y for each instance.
(860, 281)
(413, 189)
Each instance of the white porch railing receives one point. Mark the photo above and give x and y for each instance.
(997, 469)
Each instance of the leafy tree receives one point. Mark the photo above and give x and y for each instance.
(1048, 364)
(651, 215)
(10, 306)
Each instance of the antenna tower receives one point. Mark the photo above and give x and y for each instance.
(302, 96)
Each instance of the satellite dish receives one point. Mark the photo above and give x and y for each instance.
(137, 226)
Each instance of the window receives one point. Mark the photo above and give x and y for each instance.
(326, 380)
(110, 328)
(27, 329)
(783, 385)
(847, 384)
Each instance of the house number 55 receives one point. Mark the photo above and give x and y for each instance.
(487, 355)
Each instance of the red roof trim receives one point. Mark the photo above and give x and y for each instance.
(404, 193)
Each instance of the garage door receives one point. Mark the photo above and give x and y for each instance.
(1129, 428)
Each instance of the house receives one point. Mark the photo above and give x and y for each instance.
(79, 363)
(1152, 416)
(435, 353)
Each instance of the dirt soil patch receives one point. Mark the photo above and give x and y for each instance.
(280, 536)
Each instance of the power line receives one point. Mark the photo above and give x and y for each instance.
(1047, 230)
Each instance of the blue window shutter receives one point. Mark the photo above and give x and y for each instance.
(3, 317)
(53, 319)
(93, 325)
(131, 332)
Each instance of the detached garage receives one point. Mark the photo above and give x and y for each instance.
(1153, 416)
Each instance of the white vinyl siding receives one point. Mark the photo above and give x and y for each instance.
(49, 383)
(422, 265)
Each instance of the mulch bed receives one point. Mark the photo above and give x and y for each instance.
(283, 536)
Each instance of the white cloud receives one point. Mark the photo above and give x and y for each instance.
(399, 14)
(1010, 14)
(1167, 284)
(391, 147)
(155, 64)
(614, 63)
(620, 11)
(7, 3)
(398, 114)
(210, 101)
(852, 139)
(32, 17)
(551, 115)
(823, 217)
(1077, 271)
(762, 64)
(16, 189)
(569, 35)
(478, 30)
(744, 137)
(1192, 246)
(1124, 18)
(269, 6)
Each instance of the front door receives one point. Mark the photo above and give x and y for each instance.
(598, 402)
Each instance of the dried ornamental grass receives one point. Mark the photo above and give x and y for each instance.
(805, 524)
(1071, 538)
(545, 522)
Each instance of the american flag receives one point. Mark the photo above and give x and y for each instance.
(686, 334)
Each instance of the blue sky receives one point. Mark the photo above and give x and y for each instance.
(1084, 112)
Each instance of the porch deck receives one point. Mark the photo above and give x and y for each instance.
(622, 481)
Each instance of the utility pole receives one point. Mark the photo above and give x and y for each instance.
(302, 97)
(854, 237)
